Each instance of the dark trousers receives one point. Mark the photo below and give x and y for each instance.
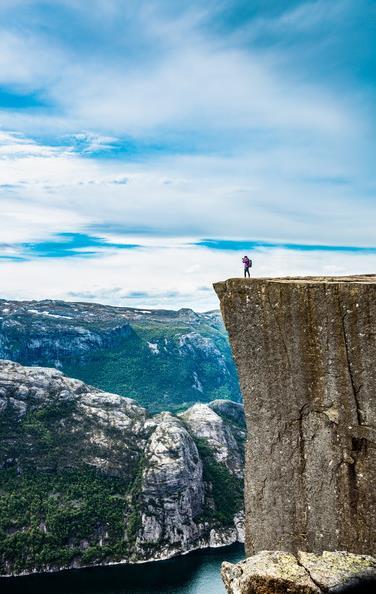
(246, 271)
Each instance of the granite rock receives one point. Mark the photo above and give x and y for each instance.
(278, 572)
(305, 349)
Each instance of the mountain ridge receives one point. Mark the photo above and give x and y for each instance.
(165, 359)
(90, 477)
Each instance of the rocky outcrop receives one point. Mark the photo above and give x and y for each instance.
(164, 359)
(278, 572)
(89, 477)
(224, 436)
(172, 492)
(305, 349)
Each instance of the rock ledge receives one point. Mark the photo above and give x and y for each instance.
(278, 572)
(305, 350)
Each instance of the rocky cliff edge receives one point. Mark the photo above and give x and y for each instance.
(305, 349)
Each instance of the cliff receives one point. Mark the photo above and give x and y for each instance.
(89, 477)
(166, 360)
(305, 349)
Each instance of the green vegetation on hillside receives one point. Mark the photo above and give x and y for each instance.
(224, 491)
(158, 381)
(52, 519)
(72, 463)
(166, 360)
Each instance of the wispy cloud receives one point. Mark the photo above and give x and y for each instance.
(158, 276)
(88, 142)
(231, 120)
(70, 245)
(239, 245)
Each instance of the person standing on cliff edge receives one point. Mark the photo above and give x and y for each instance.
(247, 265)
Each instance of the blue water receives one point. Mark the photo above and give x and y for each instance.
(196, 573)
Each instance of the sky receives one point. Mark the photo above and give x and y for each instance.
(147, 145)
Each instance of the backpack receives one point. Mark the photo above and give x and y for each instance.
(249, 263)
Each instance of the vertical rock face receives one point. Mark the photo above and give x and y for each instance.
(305, 349)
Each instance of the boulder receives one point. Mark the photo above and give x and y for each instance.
(278, 572)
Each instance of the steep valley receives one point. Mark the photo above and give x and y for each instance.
(89, 477)
(166, 360)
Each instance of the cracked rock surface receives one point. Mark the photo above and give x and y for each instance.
(305, 349)
(278, 572)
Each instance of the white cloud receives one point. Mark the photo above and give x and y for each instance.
(14, 144)
(22, 221)
(174, 276)
(311, 15)
(276, 153)
(201, 85)
(91, 142)
(190, 81)
(260, 195)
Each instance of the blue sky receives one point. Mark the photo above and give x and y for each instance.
(144, 145)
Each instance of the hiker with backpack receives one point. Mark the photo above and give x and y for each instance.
(247, 265)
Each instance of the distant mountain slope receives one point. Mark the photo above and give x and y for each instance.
(88, 477)
(163, 359)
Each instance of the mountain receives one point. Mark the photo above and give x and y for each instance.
(88, 477)
(166, 360)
